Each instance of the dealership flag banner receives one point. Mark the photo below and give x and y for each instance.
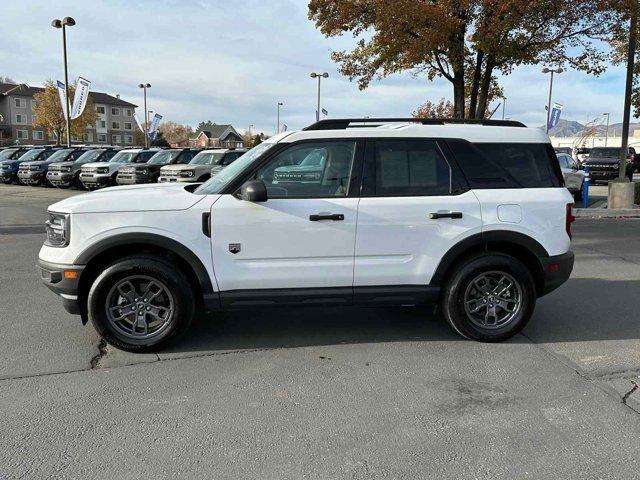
(80, 97)
(63, 98)
(554, 118)
(139, 123)
(153, 129)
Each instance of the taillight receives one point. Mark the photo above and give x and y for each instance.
(570, 218)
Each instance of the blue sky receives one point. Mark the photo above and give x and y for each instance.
(231, 62)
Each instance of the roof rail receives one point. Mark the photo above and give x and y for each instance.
(344, 123)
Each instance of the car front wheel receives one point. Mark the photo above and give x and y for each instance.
(141, 303)
(489, 297)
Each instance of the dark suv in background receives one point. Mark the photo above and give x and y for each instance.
(66, 174)
(34, 172)
(9, 161)
(604, 163)
(150, 171)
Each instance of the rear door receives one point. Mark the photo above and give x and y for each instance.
(414, 207)
(302, 237)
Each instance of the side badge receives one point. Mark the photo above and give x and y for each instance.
(235, 248)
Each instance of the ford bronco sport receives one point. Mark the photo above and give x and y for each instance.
(471, 216)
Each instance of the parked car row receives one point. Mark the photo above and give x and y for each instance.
(94, 167)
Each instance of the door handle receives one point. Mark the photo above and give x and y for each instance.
(437, 215)
(326, 216)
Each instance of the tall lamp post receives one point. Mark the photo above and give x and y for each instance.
(504, 104)
(278, 118)
(606, 132)
(63, 24)
(319, 76)
(144, 87)
(551, 71)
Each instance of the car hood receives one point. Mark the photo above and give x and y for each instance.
(63, 164)
(97, 164)
(131, 198)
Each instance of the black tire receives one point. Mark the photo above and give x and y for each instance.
(459, 283)
(578, 195)
(146, 266)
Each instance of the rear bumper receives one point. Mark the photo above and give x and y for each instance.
(63, 281)
(557, 270)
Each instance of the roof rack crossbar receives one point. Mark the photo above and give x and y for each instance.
(344, 123)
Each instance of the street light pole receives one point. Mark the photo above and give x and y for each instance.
(552, 71)
(144, 87)
(56, 23)
(278, 118)
(504, 104)
(606, 132)
(319, 76)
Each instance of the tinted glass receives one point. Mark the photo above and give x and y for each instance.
(90, 156)
(564, 160)
(31, 155)
(6, 154)
(291, 174)
(124, 157)
(218, 183)
(164, 157)
(58, 156)
(507, 165)
(605, 152)
(229, 158)
(143, 157)
(206, 158)
(410, 167)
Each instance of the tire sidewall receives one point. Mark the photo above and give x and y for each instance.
(453, 300)
(172, 278)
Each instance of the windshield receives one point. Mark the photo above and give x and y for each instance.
(31, 155)
(6, 154)
(164, 157)
(90, 156)
(217, 183)
(604, 152)
(207, 158)
(123, 157)
(60, 155)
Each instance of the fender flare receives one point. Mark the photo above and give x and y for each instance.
(151, 239)
(481, 239)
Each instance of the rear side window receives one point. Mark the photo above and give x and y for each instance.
(507, 165)
(410, 167)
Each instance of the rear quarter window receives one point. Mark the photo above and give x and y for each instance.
(507, 165)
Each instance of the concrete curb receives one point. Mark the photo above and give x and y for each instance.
(606, 212)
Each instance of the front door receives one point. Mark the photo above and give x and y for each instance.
(414, 207)
(302, 237)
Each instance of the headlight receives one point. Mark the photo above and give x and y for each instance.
(65, 169)
(103, 170)
(187, 173)
(58, 229)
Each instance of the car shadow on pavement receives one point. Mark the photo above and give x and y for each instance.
(581, 310)
(308, 326)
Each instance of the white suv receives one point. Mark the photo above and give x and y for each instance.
(102, 174)
(472, 217)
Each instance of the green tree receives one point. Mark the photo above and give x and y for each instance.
(466, 42)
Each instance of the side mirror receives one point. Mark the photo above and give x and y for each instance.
(254, 191)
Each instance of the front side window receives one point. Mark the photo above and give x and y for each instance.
(410, 168)
(89, 156)
(124, 157)
(309, 170)
(164, 157)
(59, 155)
(206, 158)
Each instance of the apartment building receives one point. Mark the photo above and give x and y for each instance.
(115, 124)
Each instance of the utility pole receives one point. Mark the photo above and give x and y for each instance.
(144, 87)
(606, 132)
(504, 104)
(551, 71)
(319, 76)
(63, 24)
(278, 118)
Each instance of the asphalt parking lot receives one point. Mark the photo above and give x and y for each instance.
(324, 393)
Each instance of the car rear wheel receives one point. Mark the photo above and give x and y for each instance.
(489, 297)
(141, 303)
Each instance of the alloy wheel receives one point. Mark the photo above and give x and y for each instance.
(493, 299)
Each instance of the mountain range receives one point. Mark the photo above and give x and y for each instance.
(571, 128)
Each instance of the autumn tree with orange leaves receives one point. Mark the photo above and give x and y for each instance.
(466, 42)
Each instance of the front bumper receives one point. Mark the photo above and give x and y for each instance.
(557, 270)
(602, 175)
(173, 179)
(8, 175)
(63, 281)
(95, 180)
(61, 179)
(134, 179)
(29, 177)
